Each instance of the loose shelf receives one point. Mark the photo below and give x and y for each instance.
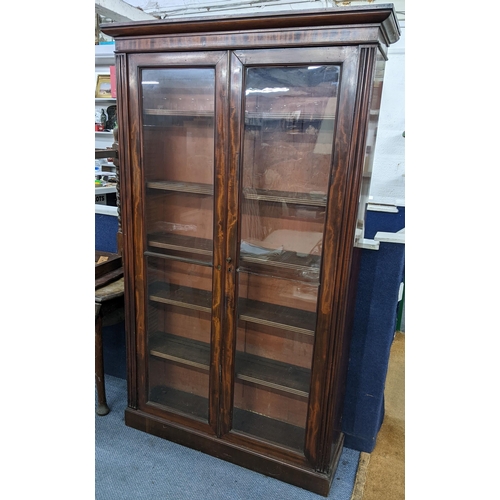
(175, 112)
(276, 431)
(181, 350)
(285, 259)
(182, 187)
(277, 316)
(310, 199)
(180, 401)
(278, 115)
(303, 267)
(245, 422)
(283, 377)
(273, 374)
(177, 242)
(189, 298)
(252, 311)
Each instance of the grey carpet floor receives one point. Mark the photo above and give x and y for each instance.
(133, 465)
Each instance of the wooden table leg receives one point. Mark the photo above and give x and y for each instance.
(102, 406)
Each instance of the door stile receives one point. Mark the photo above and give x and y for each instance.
(219, 269)
(138, 231)
(126, 223)
(231, 243)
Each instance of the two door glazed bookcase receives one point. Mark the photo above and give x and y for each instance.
(246, 146)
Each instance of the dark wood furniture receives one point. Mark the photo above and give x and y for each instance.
(109, 309)
(246, 146)
(109, 291)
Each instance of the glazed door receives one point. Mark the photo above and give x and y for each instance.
(178, 168)
(291, 165)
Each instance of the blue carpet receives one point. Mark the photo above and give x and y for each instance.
(133, 465)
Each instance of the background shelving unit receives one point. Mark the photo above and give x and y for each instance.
(104, 58)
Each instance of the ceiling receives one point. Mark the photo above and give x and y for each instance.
(141, 10)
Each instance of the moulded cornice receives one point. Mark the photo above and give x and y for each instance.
(383, 14)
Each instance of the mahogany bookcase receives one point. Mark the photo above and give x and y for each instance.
(246, 145)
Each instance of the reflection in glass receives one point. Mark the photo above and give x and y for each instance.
(288, 143)
(179, 329)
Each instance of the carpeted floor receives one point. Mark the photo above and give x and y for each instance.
(133, 465)
(381, 474)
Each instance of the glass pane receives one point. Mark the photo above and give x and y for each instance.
(277, 319)
(288, 147)
(287, 157)
(178, 131)
(179, 326)
(178, 159)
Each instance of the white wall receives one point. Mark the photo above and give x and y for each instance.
(388, 177)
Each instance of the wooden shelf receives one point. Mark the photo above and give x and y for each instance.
(305, 268)
(273, 374)
(286, 115)
(311, 199)
(180, 350)
(244, 422)
(106, 153)
(182, 187)
(256, 370)
(286, 318)
(180, 243)
(189, 298)
(180, 401)
(253, 311)
(179, 113)
(276, 431)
